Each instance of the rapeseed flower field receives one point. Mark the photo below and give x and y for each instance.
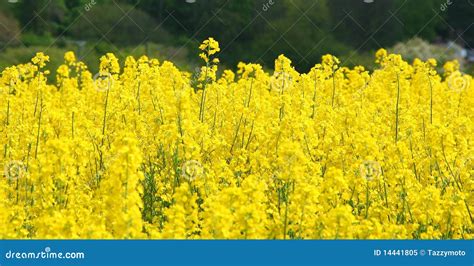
(145, 150)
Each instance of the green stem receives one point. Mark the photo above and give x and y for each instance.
(101, 160)
(431, 100)
(7, 122)
(39, 127)
(203, 96)
(314, 95)
(333, 88)
(105, 114)
(367, 201)
(286, 221)
(138, 100)
(72, 125)
(397, 109)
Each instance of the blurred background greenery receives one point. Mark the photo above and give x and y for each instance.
(248, 30)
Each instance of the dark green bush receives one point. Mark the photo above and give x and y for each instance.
(9, 30)
(120, 24)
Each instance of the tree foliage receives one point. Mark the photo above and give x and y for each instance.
(251, 30)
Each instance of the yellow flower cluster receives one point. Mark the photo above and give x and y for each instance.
(333, 153)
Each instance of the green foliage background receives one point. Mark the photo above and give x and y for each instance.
(248, 30)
